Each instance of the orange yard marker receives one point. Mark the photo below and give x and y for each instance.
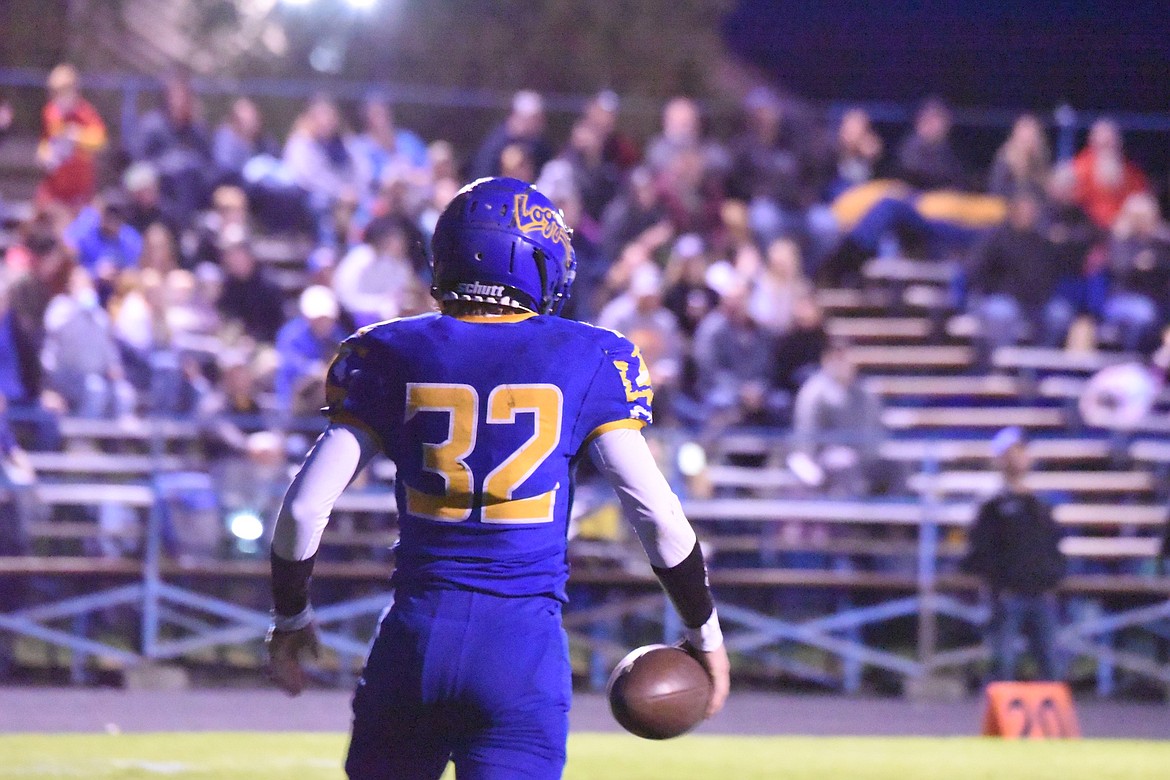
(1033, 710)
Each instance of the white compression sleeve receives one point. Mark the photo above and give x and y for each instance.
(653, 509)
(647, 501)
(339, 454)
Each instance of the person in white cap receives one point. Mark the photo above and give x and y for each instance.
(305, 345)
(1014, 548)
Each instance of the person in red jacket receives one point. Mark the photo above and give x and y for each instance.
(1104, 177)
(73, 135)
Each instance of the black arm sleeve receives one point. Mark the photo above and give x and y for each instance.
(686, 584)
(290, 584)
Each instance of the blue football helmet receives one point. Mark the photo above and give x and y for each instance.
(501, 241)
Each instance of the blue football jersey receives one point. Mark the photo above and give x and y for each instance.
(484, 418)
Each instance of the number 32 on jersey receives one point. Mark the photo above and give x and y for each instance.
(448, 458)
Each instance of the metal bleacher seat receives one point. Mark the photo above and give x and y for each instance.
(1075, 482)
(900, 271)
(1063, 450)
(95, 463)
(1044, 359)
(902, 386)
(880, 328)
(924, 359)
(932, 417)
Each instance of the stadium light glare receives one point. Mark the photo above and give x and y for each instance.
(692, 459)
(362, 5)
(246, 526)
(296, 2)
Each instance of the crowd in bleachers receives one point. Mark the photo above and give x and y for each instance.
(149, 293)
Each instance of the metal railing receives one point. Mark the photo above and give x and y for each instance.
(182, 609)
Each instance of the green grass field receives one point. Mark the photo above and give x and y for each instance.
(598, 757)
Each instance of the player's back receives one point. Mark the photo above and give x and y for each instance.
(484, 417)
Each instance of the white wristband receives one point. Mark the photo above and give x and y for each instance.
(293, 622)
(706, 637)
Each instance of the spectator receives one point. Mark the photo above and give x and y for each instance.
(1022, 163)
(345, 224)
(306, 344)
(20, 364)
(19, 506)
(226, 408)
(443, 191)
(191, 312)
(239, 139)
(601, 115)
(733, 358)
(925, 158)
(18, 257)
(175, 141)
(1105, 178)
(640, 316)
(319, 160)
(80, 357)
(73, 135)
(375, 280)
(682, 131)
(142, 325)
(769, 169)
(50, 267)
(517, 162)
(691, 193)
(837, 430)
(859, 152)
(106, 244)
(140, 181)
(596, 178)
(1014, 276)
(226, 223)
(11, 377)
(1068, 227)
(632, 214)
(798, 350)
(159, 251)
(248, 297)
(385, 149)
(688, 294)
(441, 157)
(524, 128)
(1014, 549)
(778, 286)
(399, 200)
(1139, 271)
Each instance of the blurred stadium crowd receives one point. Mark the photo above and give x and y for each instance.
(212, 279)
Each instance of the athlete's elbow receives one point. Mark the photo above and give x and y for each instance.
(305, 512)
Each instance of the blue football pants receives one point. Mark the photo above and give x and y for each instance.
(456, 675)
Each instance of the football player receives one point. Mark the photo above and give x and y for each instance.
(485, 408)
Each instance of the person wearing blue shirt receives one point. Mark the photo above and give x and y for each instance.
(105, 242)
(306, 344)
(387, 150)
(11, 386)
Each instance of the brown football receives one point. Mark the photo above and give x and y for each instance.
(658, 692)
